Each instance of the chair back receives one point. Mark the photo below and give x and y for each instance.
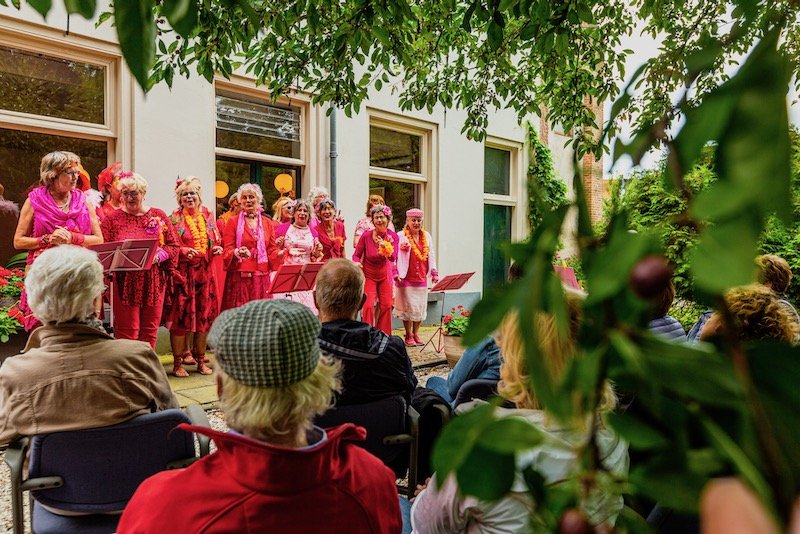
(102, 467)
(382, 418)
(477, 388)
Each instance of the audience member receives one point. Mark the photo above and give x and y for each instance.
(664, 325)
(440, 507)
(376, 365)
(275, 471)
(72, 374)
(758, 313)
(775, 273)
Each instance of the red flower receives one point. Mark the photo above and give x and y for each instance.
(3, 282)
(466, 313)
(460, 306)
(448, 318)
(16, 314)
(20, 284)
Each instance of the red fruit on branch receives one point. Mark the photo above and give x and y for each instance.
(574, 522)
(650, 276)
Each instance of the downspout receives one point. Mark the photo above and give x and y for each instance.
(333, 154)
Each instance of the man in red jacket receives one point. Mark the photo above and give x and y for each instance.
(275, 471)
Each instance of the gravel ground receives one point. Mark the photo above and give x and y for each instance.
(217, 420)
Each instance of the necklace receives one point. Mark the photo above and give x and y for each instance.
(422, 255)
(197, 227)
(62, 207)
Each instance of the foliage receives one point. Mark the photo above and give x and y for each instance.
(11, 282)
(546, 190)
(10, 322)
(686, 312)
(477, 55)
(456, 322)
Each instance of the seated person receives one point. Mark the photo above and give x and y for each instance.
(775, 273)
(441, 508)
(72, 374)
(664, 325)
(274, 471)
(375, 365)
(758, 313)
(482, 361)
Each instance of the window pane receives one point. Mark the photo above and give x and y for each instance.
(400, 196)
(21, 154)
(54, 87)
(394, 150)
(268, 174)
(496, 171)
(235, 173)
(247, 124)
(496, 230)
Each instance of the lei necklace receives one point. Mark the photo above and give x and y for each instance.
(423, 255)
(385, 247)
(197, 227)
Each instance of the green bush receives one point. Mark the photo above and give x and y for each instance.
(546, 191)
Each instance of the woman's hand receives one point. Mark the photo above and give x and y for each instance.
(422, 487)
(279, 241)
(189, 252)
(61, 236)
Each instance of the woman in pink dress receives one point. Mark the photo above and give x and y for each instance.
(415, 262)
(300, 246)
(249, 251)
(330, 231)
(365, 223)
(138, 296)
(193, 304)
(55, 213)
(376, 252)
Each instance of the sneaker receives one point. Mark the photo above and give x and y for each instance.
(410, 341)
(418, 341)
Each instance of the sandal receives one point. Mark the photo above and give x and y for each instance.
(177, 368)
(188, 358)
(410, 341)
(417, 341)
(202, 368)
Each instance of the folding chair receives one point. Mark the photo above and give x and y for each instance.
(81, 480)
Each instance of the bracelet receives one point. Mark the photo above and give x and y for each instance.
(78, 239)
(44, 241)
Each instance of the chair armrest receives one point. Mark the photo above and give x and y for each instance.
(198, 417)
(15, 459)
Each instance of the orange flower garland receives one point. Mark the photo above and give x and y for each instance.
(423, 255)
(197, 227)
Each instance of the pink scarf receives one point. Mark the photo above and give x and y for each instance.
(47, 216)
(261, 248)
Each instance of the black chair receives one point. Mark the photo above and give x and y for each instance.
(476, 389)
(392, 432)
(92, 474)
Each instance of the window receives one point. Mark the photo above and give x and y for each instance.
(54, 96)
(256, 141)
(400, 163)
(501, 174)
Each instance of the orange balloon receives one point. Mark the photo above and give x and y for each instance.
(222, 189)
(284, 182)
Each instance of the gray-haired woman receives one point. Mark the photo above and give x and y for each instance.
(72, 374)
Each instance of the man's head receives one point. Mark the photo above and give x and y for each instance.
(774, 272)
(340, 290)
(273, 380)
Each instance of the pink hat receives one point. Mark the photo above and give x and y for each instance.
(415, 212)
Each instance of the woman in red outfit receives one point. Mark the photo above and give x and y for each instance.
(108, 184)
(376, 252)
(194, 304)
(250, 251)
(330, 231)
(138, 296)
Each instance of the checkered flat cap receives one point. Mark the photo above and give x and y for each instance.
(267, 343)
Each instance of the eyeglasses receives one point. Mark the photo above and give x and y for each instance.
(74, 173)
(130, 194)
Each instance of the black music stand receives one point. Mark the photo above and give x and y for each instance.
(291, 278)
(122, 256)
(448, 283)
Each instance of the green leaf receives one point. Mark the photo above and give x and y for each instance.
(724, 255)
(84, 8)
(486, 484)
(181, 14)
(494, 35)
(136, 30)
(638, 434)
(509, 435)
(42, 6)
(672, 486)
(458, 438)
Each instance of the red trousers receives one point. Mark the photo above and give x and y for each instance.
(380, 290)
(137, 322)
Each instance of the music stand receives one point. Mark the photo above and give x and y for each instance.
(122, 256)
(291, 278)
(448, 283)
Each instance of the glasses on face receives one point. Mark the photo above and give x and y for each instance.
(72, 173)
(188, 194)
(130, 194)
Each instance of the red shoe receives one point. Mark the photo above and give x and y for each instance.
(410, 342)
(418, 341)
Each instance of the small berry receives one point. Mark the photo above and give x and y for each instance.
(650, 276)
(574, 522)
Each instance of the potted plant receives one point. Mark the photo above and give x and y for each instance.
(11, 284)
(455, 324)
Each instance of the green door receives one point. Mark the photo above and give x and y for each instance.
(496, 230)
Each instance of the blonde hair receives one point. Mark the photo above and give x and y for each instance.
(54, 163)
(556, 347)
(263, 413)
(134, 181)
(278, 205)
(373, 200)
(774, 271)
(759, 314)
(63, 283)
(190, 182)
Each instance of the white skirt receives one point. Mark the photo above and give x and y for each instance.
(411, 303)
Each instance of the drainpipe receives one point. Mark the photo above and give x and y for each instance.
(333, 154)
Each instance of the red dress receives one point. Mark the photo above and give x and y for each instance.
(193, 303)
(247, 279)
(332, 248)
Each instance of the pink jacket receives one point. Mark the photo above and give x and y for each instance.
(250, 486)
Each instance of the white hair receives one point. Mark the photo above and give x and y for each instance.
(62, 284)
(253, 187)
(134, 181)
(317, 191)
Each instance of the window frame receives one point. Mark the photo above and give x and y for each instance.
(516, 197)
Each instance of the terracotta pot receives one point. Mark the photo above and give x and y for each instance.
(453, 349)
